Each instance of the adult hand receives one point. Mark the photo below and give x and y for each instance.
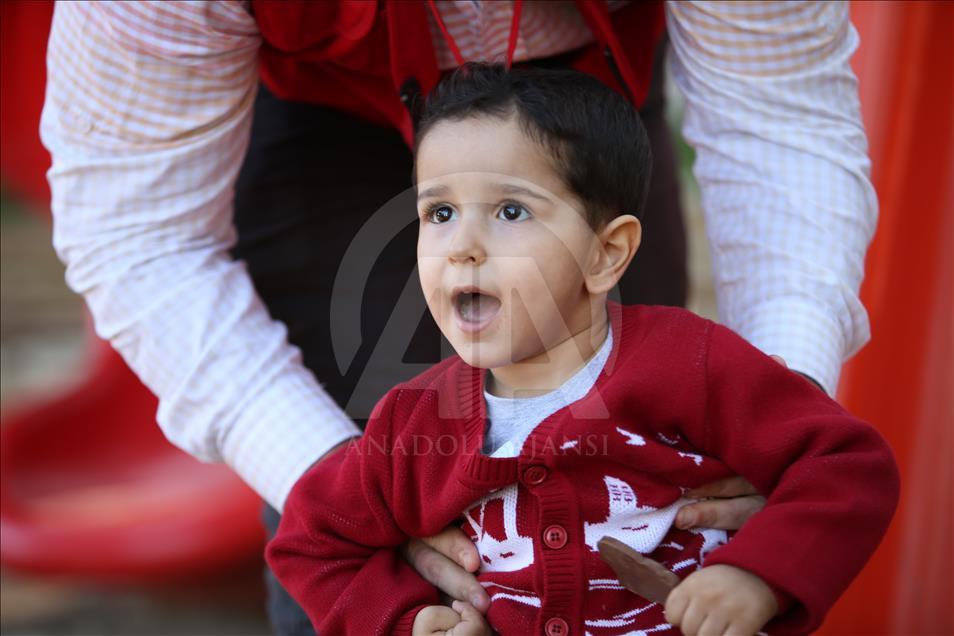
(733, 501)
(447, 560)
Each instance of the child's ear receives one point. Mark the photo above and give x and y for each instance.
(617, 244)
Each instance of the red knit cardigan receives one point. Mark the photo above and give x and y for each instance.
(681, 402)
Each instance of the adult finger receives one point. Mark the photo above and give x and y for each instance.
(725, 514)
(734, 486)
(780, 360)
(445, 574)
(456, 546)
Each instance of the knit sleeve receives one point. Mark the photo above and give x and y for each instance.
(336, 550)
(830, 479)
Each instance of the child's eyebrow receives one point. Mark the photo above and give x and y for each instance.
(433, 191)
(506, 188)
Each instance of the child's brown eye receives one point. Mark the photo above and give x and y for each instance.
(514, 212)
(440, 214)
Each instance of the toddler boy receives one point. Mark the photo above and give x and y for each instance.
(565, 418)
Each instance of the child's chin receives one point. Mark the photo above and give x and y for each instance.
(479, 357)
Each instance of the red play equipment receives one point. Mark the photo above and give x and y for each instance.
(89, 486)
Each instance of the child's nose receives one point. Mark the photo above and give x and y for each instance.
(468, 244)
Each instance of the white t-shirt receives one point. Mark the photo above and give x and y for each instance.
(511, 420)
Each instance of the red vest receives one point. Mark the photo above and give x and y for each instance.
(371, 58)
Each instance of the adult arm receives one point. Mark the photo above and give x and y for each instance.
(772, 110)
(337, 548)
(147, 118)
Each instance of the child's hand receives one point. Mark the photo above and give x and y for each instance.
(721, 599)
(462, 620)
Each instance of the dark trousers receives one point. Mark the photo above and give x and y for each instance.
(315, 177)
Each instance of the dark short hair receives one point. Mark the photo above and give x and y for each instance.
(594, 135)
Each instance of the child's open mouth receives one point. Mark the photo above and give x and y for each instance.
(475, 309)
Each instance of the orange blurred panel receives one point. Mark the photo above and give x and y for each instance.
(903, 381)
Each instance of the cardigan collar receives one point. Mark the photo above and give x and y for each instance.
(471, 410)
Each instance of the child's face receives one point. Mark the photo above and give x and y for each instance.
(525, 250)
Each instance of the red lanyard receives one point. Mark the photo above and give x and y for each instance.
(511, 41)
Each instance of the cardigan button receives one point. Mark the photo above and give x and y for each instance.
(554, 537)
(535, 475)
(556, 626)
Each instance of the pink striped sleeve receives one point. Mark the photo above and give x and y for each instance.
(147, 118)
(772, 110)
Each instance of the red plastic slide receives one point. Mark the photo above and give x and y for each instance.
(90, 487)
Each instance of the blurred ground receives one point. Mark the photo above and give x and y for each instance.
(41, 321)
(232, 606)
